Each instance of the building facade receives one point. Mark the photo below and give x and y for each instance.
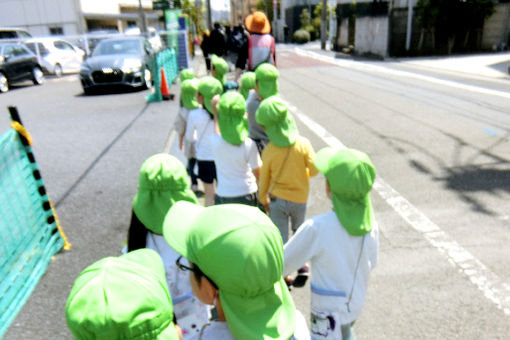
(71, 17)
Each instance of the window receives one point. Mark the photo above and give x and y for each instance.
(62, 45)
(57, 30)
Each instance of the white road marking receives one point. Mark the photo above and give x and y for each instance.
(169, 141)
(488, 282)
(384, 70)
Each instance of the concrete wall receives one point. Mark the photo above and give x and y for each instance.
(496, 28)
(372, 35)
(38, 15)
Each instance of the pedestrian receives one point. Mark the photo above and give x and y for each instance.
(219, 70)
(342, 244)
(163, 182)
(259, 47)
(235, 155)
(189, 102)
(218, 41)
(206, 50)
(235, 258)
(287, 165)
(123, 297)
(247, 84)
(266, 85)
(201, 122)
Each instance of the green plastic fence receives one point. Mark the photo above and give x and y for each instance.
(166, 59)
(29, 234)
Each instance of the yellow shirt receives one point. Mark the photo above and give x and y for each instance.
(290, 182)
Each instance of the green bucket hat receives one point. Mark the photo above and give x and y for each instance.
(123, 297)
(278, 122)
(220, 68)
(163, 180)
(232, 118)
(186, 74)
(240, 250)
(267, 80)
(209, 87)
(350, 175)
(189, 90)
(247, 83)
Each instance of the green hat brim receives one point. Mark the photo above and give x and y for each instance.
(151, 207)
(234, 130)
(283, 134)
(253, 319)
(355, 215)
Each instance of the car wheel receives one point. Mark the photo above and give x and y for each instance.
(37, 76)
(87, 91)
(4, 83)
(58, 71)
(147, 78)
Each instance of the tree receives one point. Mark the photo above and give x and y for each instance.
(454, 19)
(306, 24)
(195, 14)
(266, 6)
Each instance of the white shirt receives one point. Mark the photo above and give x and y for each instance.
(218, 330)
(234, 165)
(191, 314)
(199, 120)
(333, 254)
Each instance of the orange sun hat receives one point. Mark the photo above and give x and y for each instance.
(257, 23)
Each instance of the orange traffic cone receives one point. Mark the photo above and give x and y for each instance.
(165, 92)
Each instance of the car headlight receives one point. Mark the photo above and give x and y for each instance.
(131, 65)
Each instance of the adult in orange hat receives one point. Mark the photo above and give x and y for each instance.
(260, 46)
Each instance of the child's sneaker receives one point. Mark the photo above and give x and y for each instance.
(302, 276)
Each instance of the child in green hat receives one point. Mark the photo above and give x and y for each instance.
(219, 69)
(201, 123)
(341, 244)
(123, 297)
(163, 181)
(235, 155)
(235, 262)
(287, 165)
(266, 85)
(189, 102)
(247, 83)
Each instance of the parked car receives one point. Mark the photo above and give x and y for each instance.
(18, 63)
(12, 33)
(56, 56)
(119, 61)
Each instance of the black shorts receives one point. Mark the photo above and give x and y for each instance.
(206, 171)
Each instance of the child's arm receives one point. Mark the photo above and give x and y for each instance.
(190, 128)
(310, 156)
(264, 179)
(214, 104)
(300, 248)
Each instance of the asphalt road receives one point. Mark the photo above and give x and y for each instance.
(441, 153)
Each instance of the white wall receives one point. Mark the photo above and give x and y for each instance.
(372, 35)
(37, 15)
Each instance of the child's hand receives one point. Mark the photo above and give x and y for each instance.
(266, 208)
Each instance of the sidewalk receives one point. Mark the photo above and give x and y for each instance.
(490, 65)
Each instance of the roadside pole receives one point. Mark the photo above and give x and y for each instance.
(409, 24)
(323, 24)
(143, 19)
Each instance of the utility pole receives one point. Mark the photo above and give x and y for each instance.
(409, 24)
(275, 18)
(323, 24)
(209, 21)
(143, 19)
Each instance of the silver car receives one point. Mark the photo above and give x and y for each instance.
(119, 61)
(56, 56)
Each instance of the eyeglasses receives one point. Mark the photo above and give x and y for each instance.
(182, 266)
